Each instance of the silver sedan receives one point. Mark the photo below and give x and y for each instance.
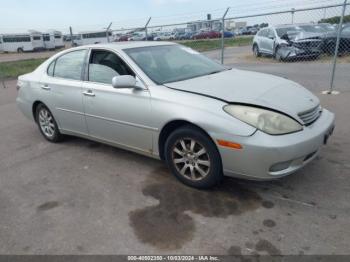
(169, 102)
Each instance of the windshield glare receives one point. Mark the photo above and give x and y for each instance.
(286, 30)
(172, 63)
(313, 28)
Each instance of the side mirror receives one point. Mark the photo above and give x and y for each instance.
(124, 81)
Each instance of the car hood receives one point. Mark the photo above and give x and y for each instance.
(240, 86)
(304, 36)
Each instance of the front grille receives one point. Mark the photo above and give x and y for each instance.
(310, 116)
(315, 44)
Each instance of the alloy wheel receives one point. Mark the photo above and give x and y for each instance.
(46, 123)
(191, 159)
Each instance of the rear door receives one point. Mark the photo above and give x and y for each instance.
(121, 115)
(62, 91)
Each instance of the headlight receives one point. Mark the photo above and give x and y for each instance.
(267, 121)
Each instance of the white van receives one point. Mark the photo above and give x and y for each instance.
(53, 39)
(22, 42)
(37, 40)
(49, 41)
(95, 37)
(58, 38)
(1, 46)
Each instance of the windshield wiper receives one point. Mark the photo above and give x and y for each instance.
(215, 72)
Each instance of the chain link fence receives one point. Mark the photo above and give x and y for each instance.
(304, 39)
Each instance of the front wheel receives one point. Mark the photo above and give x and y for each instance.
(256, 51)
(47, 124)
(193, 158)
(278, 56)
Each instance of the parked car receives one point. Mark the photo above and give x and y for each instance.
(287, 42)
(140, 36)
(184, 36)
(207, 35)
(254, 30)
(158, 99)
(123, 38)
(164, 36)
(246, 31)
(228, 34)
(330, 39)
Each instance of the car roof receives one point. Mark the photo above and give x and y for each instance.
(128, 44)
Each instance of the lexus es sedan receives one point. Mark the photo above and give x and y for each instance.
(169, 102)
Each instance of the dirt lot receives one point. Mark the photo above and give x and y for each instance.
(81, 197)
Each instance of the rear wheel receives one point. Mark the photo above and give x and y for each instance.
(47, 124)
(20, 50)
(193, 158)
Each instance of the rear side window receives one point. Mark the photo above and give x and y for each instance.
(70, 65)
(51, 68)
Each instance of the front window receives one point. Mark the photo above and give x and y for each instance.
(104, 65)
(172, 63)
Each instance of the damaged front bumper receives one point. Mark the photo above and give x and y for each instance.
(292, 52)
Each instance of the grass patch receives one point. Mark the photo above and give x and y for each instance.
(14, 69)
(213, 44)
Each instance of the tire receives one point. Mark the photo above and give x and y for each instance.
(20, 50)
(196, 170)
(256, 51)
(47, 124)
(278, 56)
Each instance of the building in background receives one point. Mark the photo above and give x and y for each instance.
(232, 25)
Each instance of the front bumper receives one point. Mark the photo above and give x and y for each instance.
(266, 157)
(291, 52)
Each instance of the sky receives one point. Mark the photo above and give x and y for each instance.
(21, 15)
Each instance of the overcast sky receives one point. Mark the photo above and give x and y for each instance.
(21, 15)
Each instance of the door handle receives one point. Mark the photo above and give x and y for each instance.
(88, 93)
(45, 87)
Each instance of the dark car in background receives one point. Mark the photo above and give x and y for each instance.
(228, 34)
(184, 36)
(207, 35)
(330, 39)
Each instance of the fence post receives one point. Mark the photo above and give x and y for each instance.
(340, 25)
(293, 12)
(71, 35)
(107, 31)
(146, 31)
(223, 36)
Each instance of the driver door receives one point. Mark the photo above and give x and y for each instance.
(117, 115)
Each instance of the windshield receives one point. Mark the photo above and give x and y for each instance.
(172, 63)
(286, 30)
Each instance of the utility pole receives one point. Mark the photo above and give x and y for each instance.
(107, 31)
(223, 36)
(71, 35)
(293, 11)
(148, 21)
